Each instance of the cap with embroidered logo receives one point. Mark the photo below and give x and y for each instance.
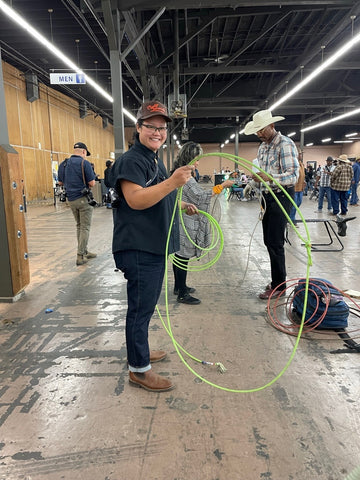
(82, 146)
(152, 109)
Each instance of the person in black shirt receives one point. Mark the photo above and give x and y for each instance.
(141, 224)
(107, 180)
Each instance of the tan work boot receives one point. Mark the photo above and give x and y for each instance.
(157, 355)
(81, 260)
(90, 255)
(150, 381)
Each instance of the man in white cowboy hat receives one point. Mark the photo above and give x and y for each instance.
(340, 184)
(278, 157)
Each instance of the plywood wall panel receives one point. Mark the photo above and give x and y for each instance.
(12, 113)
(47, 129)
(46, 132)
(31, 173)
(56, 129)
(44, 171)
(26, 120)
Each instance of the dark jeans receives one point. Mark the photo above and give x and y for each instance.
(342, 196)
(298, 200)
(144, 273)
(274, 224)
(322, 191)
(180, 275)
(354, 196)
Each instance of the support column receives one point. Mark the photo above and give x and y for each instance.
(14, 263)
(118, 115)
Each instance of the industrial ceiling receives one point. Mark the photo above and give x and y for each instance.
(222, 61)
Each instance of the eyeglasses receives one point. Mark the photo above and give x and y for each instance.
(155, 129)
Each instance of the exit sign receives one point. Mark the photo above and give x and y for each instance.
(67, 78)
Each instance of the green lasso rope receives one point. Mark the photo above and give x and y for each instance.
(218, 240)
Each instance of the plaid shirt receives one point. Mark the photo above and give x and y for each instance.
(341, 177)
(324, 175)
(279, 159)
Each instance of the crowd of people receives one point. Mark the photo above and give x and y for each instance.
(338, 181)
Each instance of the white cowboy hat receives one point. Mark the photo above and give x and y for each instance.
(261, 120)
(344, 158)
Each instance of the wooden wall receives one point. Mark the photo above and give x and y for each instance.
(46, 130)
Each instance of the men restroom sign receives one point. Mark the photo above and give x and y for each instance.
(67, 78)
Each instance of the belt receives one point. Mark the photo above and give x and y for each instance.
(276, 189)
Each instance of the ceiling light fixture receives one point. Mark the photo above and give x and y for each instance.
(332, 120)
(324, 65)
(291, 134)
(350, 134)
(343, 141)
(69, 63)
(309, 145)
(324, 140)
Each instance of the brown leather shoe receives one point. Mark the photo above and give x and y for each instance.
(271, 293)
(150, 381)
(157, 355)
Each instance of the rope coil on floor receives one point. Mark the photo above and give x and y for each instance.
(310, 325)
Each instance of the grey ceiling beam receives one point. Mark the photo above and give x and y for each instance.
(260, 68)
(133, 34)
(311, 96)
(279, 18)
(80, 18)
(112, 23)
(238, 69)
(227, 13)
(174, 4)
(332, 111)
(193, 33)
(95, 15)
(234, 110)
(141, 34)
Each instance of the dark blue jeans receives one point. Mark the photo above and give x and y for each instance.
(298, 200)
(336, 196)
(144, 273)
(354, 196)
(322, 191)
(274, 224)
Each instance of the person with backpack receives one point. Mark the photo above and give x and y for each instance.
(77, 175)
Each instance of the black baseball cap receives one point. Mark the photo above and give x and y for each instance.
(83, 146)
(152, 109)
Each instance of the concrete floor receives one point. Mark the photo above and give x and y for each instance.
(68, 412)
